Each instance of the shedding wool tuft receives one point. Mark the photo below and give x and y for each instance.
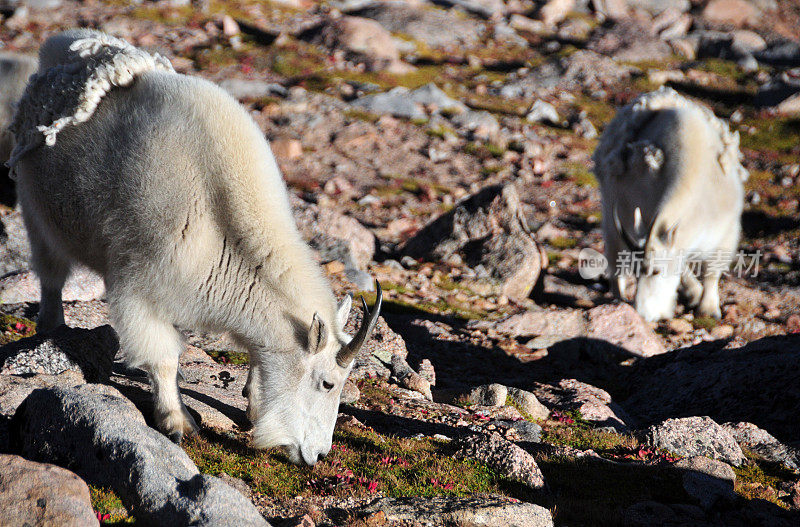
(68, 93)
(623, 129)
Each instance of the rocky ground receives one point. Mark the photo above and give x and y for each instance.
(443, 148)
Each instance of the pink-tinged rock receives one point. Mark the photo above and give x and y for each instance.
(286, 148)
(503, 456)
(554, 11)
(40, 494)
(695, 436)
(622, 326)
(536, 322)
(593, 403)
(739, 13)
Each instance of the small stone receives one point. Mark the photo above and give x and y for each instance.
(543, 112)
(763, 445)
(286, 148)
(230, 27)
(722, 331)
(793, 324)
(409, 378)
(680, 326)
(334, 267)
(489, 395)
(350, 393)
(527, 431)
(528, 403)
(739, 13)
(427, 372)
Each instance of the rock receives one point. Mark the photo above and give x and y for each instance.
(88, 351)
(753, 383)
(350, 393)
(738, 13)
(763, 444)
(695, 436)
(487, 230)
(285, 148)
(489, 395)
(537, 322)
(38, 494)
(82, 285)
(408, 378)
(622, 326)
(503, 456)
(472, 511)
(594, 404)
(554, 11)
(427, 372)
(104, 438)
(396, 101)
(484, 8)
(363, 39)
(543, 112)
(613, 9)
(527, 402)
(430, 96)
(707, 480)
(656, 7)
(722, 331)
(334, 235)
(679, 326)
(480, 123)
(434, 27)
(230, 28)
(786, 53)
(527, 431)
(244, 89)
(15, 251)
(375, 357)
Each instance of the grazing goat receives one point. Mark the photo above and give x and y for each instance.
(14, 72)
(165, 186)
(672, 187)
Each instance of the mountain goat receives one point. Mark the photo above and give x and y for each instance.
(165, 186)
(14, 72)
(672, 188)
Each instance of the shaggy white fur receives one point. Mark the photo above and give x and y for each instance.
(609, 155)
(68, 93)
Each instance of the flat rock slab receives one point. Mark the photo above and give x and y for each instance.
(100, 435)
(695, 436)
(503, 456)
(478, 511)
(38, 495)
(707, 480)
(89, 351)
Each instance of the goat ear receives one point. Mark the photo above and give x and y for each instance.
(343, 311)
(317, 334)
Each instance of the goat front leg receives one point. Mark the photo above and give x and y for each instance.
(709, 301)
(153, 344)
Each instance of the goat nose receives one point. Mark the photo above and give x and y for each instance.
(320, 456)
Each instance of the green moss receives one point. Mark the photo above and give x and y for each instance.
(582, 436)
(360, 463)
(361, 115)
(563, 242)
(707, 323)
(758, 480)
(779, 136)
(228, 356)
(105, 501)
(441, 131)
(579, 173)
(14, 328)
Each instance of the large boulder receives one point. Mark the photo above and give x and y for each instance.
(487, 231)
(763, 445)
(88, 351)
(101, 435)
(707, 480)
(503, 456)
(695, 436)
(37, 494)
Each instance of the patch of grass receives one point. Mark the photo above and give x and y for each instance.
(14, 328)
(583, 436)
(361, 115)
(105, 501)
(579, 173)
(707, 323)
(563, 242)
(779, 136)
(360, 463)
(228, 356)
(484, 151)
(758, 480)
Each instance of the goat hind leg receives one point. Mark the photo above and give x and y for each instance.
(52, 270)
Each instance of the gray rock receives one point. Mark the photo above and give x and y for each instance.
(375, 357)
(786, 53)
(477, 121)
(82, 285)
(537, 322)
(334, 235)
(656, 7)
(431, 95)
(763, 444)
(15, 251)
(473, 511)
(594, 404)
(350, 393)
(434, 27)
(484, 8)
(707, 480)
(543, 112)
(489, 395)
(38, 494)
(252, 89)
(527, 431)
(408, 378)
(104, 439)
(486, 230)
(503, 456)
(695, 436)
(528, 403)
(396, 101)
(89, 351)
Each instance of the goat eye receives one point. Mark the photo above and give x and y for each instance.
(327, 386)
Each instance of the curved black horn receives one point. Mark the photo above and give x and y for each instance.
(633, 245)
(368, 322)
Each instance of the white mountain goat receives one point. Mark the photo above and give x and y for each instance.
(672, 187)
(14, 72)
(165, 186)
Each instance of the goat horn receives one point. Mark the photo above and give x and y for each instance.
(632, 244)
(368, 322)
